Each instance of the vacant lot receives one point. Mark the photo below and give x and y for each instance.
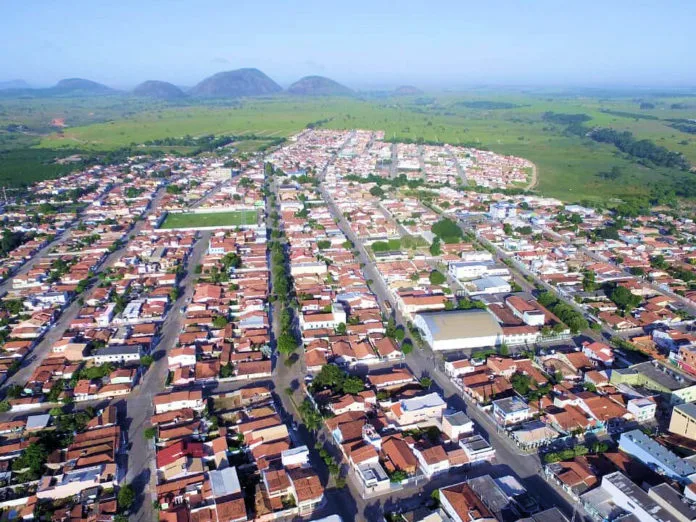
(211, 219)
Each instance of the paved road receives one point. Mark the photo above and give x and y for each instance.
(340, 501)
(138, 404)
(460, 170)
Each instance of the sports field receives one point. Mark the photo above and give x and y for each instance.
(211, 219)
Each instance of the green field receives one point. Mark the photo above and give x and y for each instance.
(210, 219)
(509, 122)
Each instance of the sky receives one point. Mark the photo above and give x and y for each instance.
(364, 44)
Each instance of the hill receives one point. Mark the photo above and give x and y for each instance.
(14, 84)
(318, 86)
(240, 82)
(159, 90)
(80, 85)
(407, 90)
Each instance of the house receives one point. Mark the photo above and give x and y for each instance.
(456, 424)
(418, 411)
(511, 411)
(461, 504)
(643, 409)
(397, 455)
(393, 379)
(120, 354)
(433, 460)
(178, 400)
(599, 353)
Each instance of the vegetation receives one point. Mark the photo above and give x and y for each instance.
(210, 219)
(566, 313)
(448, 231)
(511, 123)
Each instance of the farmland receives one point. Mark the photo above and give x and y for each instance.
(569, 166)
(210, 219)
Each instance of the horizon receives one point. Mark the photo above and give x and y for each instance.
(363, 46)
(368, 87)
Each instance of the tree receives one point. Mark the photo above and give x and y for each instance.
(287, 343)
(447, 230)
(341, 329)
(5, 406)
(377, 191)
(624, 298)
(126, 497)
(436, 247)
(353, 385)
(331, 376)
(406, 347)
(150, 433)
(436, 277)
(311, 417)
(147, 360)
(588, 281)
(33, 459)
(426, 382)
(504, 350)
(323, 244)
(219, 322)
(507, 229)
(521, 383)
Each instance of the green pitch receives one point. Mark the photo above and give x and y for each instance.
(210, 219)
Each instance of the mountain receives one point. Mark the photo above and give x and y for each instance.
(14, 84)
(159, 90)
(80, 85)
(318, 86)
(240, 82)
(407, 90)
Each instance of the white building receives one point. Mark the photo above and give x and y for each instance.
(643, 409)
(118, 354)
(459, 329)
(489, 286)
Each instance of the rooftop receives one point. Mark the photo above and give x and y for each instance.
(660, 453)
(454, 324)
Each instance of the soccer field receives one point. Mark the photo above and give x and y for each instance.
(211, 219)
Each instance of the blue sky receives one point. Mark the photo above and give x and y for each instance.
(364, 44)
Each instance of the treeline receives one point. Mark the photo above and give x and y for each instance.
(422, 141)
(210, 142)
(487, 105)
(400, 181)
(318, 123)
(565, 119)
(643, 149)
(687, 126)
(633, 115)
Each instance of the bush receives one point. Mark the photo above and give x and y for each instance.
(126, 497)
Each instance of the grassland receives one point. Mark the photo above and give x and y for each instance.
(210, 219)
(568, 166)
